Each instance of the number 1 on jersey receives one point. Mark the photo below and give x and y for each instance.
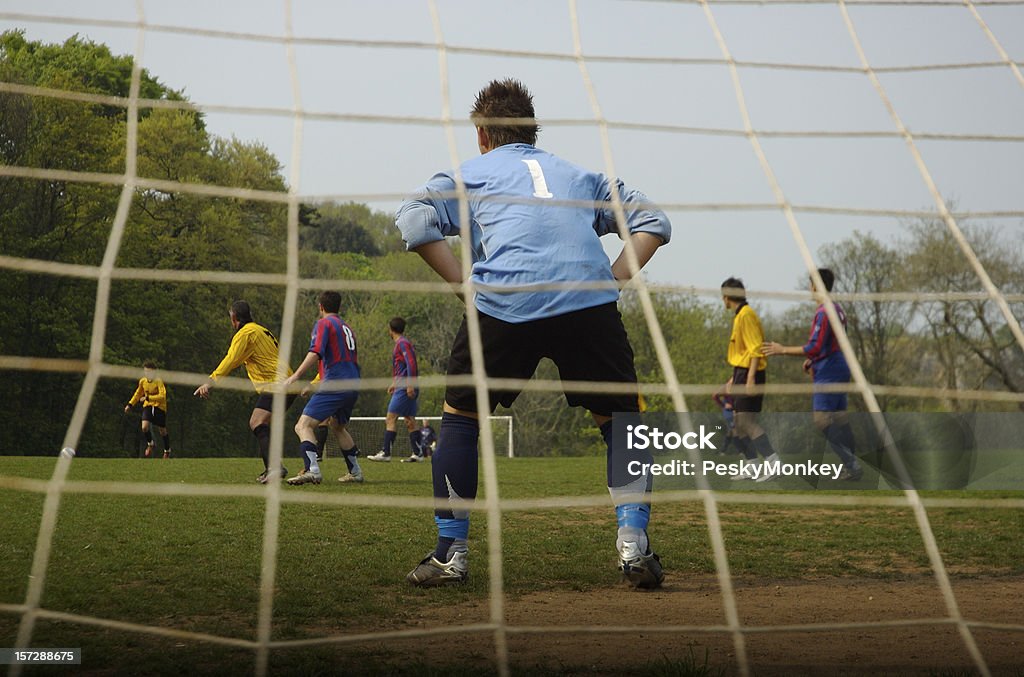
(540, 185)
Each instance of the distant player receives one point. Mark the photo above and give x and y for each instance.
(404, 396)
(153, 395)
(254, 346)
(333, 347)
(749, 370)
(535, 219)
(423, 441)
(725, 403)
(827, 364)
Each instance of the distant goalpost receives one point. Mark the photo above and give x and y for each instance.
(368, 432)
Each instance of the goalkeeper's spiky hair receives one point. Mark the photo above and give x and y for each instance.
(506, 98)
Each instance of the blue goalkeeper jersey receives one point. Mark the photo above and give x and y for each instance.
(533, 221)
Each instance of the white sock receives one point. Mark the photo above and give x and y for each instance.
(314, 467)
(632, 534)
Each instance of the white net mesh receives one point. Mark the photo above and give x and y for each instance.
(449, 122)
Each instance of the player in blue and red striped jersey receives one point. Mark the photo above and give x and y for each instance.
(533, 219)
(827, 364)
(333, 347)
(404, 395)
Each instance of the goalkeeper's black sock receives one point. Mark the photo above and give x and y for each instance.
(454, 474)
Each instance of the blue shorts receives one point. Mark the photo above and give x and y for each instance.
(402, 404)
(830, 401)
(338, 404)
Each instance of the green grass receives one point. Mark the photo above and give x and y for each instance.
(192, 563)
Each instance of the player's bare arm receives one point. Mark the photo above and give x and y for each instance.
(644, 244)
(440, 257)
(752, 372)
(310, 360)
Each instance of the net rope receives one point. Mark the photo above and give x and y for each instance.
(494, 506)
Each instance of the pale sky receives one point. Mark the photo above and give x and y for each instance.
(385, 157)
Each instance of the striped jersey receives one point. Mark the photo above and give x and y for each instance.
(403, 362)
(335, 343)
(152, 392)
(822, 347)
(255, 346)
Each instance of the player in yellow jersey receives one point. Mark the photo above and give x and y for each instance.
(153, 395)
(749, 369)
(254, 346)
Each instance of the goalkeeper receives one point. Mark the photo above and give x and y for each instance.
(524, 233)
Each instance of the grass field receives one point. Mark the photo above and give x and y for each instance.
(193, 563)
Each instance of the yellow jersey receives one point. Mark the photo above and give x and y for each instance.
(254, 346)
(746, 339)
(152, 392)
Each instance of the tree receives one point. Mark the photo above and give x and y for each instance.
(974, 347)
(696, 334)
(350, 227)
(183, 326)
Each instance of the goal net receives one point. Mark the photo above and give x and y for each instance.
(768, 131)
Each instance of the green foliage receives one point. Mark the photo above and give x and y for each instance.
(183, 326)
(697, 335)
(350, 227)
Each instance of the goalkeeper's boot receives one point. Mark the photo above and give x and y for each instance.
(349, 477)
(642, 571)
(306, 477)
(432, 573)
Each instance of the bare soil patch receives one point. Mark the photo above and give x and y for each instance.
(934, 649)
